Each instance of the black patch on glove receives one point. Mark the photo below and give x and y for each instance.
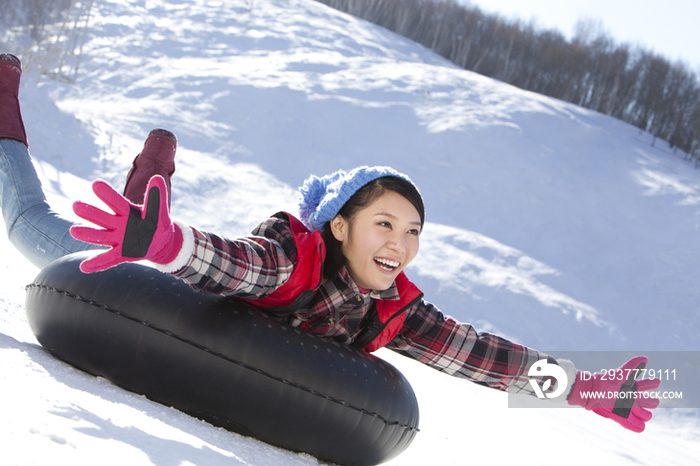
(139, 232)
(627, 395)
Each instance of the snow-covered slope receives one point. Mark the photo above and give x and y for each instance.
(549, 224)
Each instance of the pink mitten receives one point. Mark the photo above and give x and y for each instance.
(134, 232)
(617, 395)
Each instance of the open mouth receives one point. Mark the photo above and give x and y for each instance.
(386, 264)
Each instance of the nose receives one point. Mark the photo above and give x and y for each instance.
(397, 243)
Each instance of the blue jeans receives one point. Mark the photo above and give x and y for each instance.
(32, 227)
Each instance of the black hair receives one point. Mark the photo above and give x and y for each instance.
(364, 196)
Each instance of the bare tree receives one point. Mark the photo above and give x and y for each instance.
(590, 70)
(48, 35)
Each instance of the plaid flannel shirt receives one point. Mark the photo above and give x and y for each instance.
(255, 266)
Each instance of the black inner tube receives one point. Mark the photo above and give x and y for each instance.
(223, 361)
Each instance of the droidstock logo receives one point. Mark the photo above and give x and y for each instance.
(543, 369)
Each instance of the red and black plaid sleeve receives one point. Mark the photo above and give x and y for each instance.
(249, 267)
(458, 349)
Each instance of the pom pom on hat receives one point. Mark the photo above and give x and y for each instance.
(322, 198)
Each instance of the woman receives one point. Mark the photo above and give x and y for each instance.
(337, 272)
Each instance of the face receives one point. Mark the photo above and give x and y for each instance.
(380, 241)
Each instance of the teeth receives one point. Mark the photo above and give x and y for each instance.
(387, 264)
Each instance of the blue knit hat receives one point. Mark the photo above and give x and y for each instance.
(322, 198)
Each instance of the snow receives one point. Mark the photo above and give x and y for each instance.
(549, 224)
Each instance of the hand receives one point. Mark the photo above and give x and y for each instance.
(617, 395)
(133, 232)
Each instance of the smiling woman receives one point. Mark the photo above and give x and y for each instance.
(374, 201)
(357, 295)
(379, 241)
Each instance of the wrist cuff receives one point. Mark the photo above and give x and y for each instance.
(185, 252)
(571, 374)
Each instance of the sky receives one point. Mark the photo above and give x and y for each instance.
(668, 27)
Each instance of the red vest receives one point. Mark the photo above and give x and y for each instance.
(308, 276)
(391, 314)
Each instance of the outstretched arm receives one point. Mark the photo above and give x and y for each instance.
(459, 350)
(249, 267)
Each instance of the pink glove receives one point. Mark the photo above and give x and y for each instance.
(619, 395)
(134, 232)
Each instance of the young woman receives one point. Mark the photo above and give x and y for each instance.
(337, 271)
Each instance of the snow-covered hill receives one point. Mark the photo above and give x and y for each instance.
(549, 224)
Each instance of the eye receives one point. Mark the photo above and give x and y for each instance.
(415, 232)
(385, 224)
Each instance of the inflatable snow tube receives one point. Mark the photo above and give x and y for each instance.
(223, 361)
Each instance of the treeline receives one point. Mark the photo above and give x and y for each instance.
(47, 35)
(620, 80)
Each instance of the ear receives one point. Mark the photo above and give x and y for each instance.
(339, 227)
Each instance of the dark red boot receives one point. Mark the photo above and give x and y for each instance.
(11, 125)
(156, 158)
